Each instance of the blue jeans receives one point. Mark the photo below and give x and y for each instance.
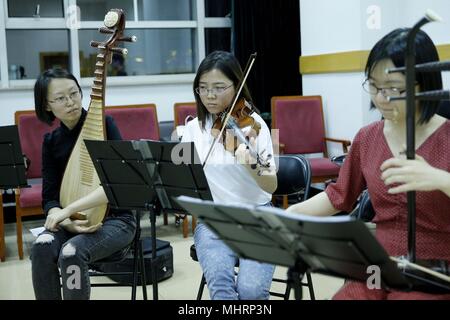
(73, 253)
(218, 261)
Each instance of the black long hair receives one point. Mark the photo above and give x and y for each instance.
(393, 46)
(41, 91)
(227, 63)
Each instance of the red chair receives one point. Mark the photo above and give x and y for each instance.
(183, 112)
(138, 121)
(29, 200)
(302, 131)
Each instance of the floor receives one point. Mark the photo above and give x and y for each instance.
(15, 274)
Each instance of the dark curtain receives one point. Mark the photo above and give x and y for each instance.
(272, 29)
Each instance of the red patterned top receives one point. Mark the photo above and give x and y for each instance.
(361, 169)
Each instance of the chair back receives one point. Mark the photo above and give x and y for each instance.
(166, 130)
(364, 211)
(31, 134)
(300, 122)
(182, 110)
(293, 175)
(138, 121)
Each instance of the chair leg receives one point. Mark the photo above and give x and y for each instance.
(201, 287)
(285, 202)
(166, 219)
(19, 235)
(194, 223)
(185, 227)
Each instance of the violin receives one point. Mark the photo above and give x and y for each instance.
(241, 127)
(235, 120)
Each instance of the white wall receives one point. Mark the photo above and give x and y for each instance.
(163, 95)
(329, 26)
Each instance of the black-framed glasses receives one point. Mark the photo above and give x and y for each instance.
(216, 91)
(386, 92)
(60, 100)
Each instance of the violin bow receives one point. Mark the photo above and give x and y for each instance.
(248, 67)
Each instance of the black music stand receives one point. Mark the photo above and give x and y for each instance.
(12, 170)
(337, 246)
(140, 175)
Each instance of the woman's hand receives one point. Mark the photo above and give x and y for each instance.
(266, 178)
(243, 155)
(80, 226)
(414, 175)
(55, 217)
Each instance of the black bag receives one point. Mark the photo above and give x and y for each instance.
(164, 264)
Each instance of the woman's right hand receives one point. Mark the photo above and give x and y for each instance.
(79, 226)
(55, 217)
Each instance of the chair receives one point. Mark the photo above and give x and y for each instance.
(135, 122)
(29, 200)
(302, 131)
(364, 211)
(183, 112)
(138, 121)
(294, 177)
(166, 130)
(138, 265)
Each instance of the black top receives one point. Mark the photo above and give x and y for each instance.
(56, 151)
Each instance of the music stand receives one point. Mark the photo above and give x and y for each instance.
(140, 175)
(336, 246)
(12, 171)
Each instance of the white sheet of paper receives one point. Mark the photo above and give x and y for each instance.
(37, 231)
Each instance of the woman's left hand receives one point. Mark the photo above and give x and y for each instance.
(243, 155)
(412, 175)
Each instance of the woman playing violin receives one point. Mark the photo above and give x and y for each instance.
(232, 176)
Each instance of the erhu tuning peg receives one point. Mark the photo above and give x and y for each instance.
(128, 39)
(94, 44)
(122, 51)
(105, 30)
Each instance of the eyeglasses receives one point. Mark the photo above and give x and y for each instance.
(216, 91)
(386, 92)
(61, 100)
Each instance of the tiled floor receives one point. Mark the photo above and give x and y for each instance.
(15, 274)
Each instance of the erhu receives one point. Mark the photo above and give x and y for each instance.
(80, 177)
(434, 273)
